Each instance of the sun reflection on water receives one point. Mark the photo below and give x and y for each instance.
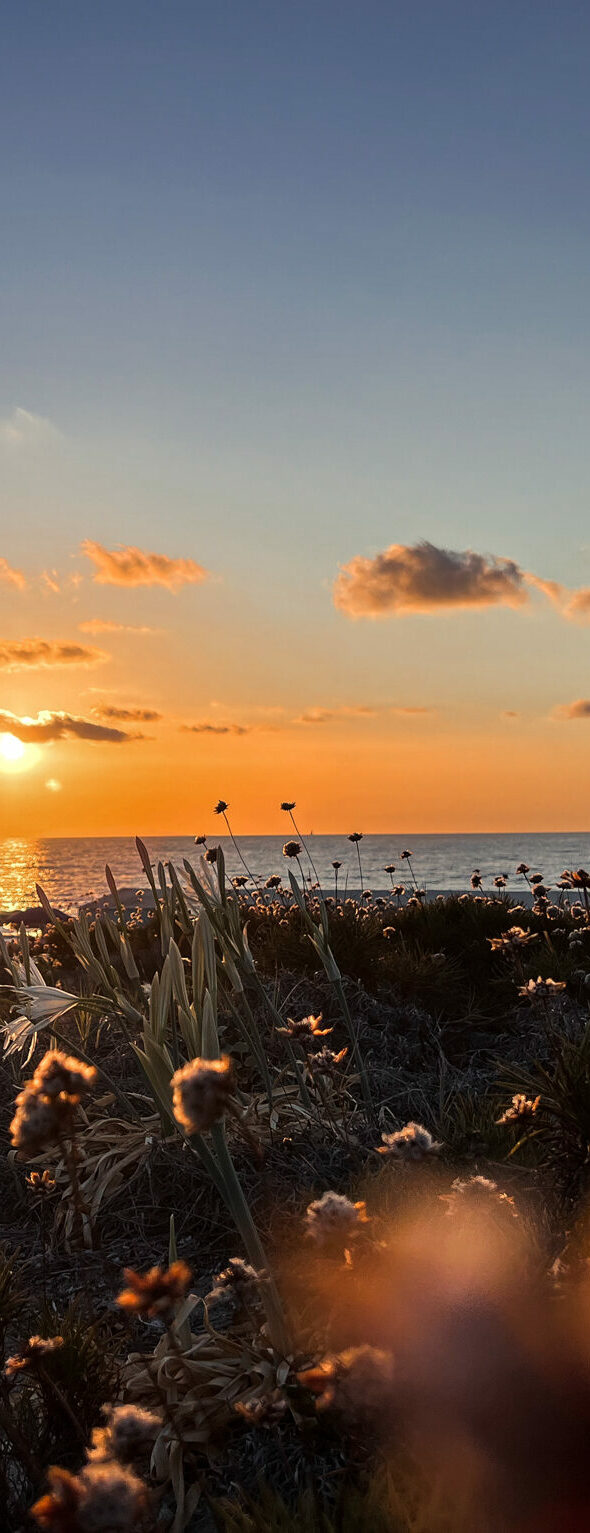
(22, 865)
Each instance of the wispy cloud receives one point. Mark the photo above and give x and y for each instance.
(215, 729)
(579, 709)
(127, 715)
(574, 604)
(357, 711)
(102, 625)
(41, 654)
(129, 566)
(407, 578)
(49, 726)
(11, 577)
(25, 429)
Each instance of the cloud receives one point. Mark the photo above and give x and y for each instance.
(24, 429)
(215, 729)
(101, 625)
(422, 578)
(40, 654)
(574, 604)
(579, 709)
(127, 715)
(128, 566)
(354, 711)
(50, 579)
(60, 726)
(11, 577)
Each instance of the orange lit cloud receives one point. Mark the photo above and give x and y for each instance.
(422, 578)
(60, 726)
(10, 576)
(359, 711)
(40, 654)
(128, 715)
(579, 709)
(100, 625)
(128, 566)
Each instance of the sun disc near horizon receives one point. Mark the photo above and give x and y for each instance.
(13, 753)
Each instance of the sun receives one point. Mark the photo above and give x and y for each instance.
(12, 753)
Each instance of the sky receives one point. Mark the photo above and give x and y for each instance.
(294, 395)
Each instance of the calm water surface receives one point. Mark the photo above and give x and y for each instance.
(72, 870)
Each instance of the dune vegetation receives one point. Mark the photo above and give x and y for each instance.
(294, 1207)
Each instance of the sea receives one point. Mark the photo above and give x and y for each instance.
(72, 869)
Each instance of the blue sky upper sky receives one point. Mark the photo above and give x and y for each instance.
(292, 283)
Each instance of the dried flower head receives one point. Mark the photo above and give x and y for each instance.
(156, 1293)
(410, 1143)
(357, 835)
(389, 867)
(200, 840)
(220, 806)
(102, 1498)
(508, 941)
(305, 1030)
(32, 1355)
(129, 1432)
(239, 1279)
(41, 1181)
(523, 1107)
(405, 855)
(332, 1221)
(274, 882)
(545, 988)
(211, 854)
(200, 1093)
(240, 881)
(264, 1411)
(480, 1194)
(523, 867)
(476, 880)
(336, 865)
(326, 1062)
(292, 849)
(499, 882)
(288, 807)
(58, 1072)
(358, 1383)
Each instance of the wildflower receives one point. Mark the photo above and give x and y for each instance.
(399, 890)
(36, 1349)
(523, 868)
(499, 882)
(129, 1431)
(357, 835)
(410, 1143)
(292, 849)
(274, 882)
(481, 1195)
(220, 807)
(580, 879)
(211, 854)
(288, 807)
(200, 1092)
(476, 880)
(200, 840)
(357, 1383)
(336, 866)
(325, 1062)
(541, 987)
(102, 1498)
(265, 1411)
(156, 1293)
(508, 941)
(389, 867)
(404, 855)
(240, 881)
(536, 878)
(522, 1107)
(305, 1031)
(332, 1220)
